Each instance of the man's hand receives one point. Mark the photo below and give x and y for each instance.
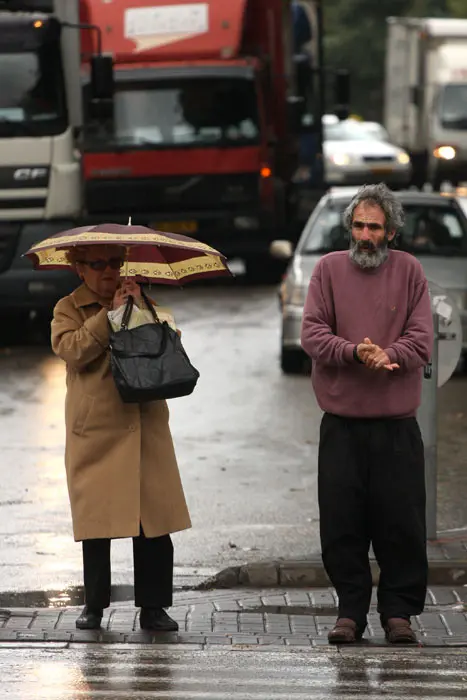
(374, 357)
(365, 349)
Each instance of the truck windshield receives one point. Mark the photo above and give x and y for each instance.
(31, 93)
(183, 112)
(453, 106)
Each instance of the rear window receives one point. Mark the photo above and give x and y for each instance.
(429, 230)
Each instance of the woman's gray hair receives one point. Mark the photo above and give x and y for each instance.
(381, 196)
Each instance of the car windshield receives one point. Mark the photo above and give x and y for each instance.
(453, 106)
(181, 112)
(31, 94)
(347, 131)
(375, 130)
(429, 230)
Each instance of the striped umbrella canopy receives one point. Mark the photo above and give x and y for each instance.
(151, 256)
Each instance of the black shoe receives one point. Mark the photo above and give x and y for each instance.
(89, 619)
(157, 620)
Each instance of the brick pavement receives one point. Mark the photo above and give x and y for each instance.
(238, 617)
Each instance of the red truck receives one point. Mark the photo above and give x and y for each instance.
(196, 130)
(192, 116)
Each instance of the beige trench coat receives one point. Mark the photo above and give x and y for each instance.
(120, 461)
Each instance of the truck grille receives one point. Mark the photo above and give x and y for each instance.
(9, 236)
(172, 194)
(28, 203)
(378, 159)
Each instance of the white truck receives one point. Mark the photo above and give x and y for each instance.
(40, 164)
(425, 104)
(40, 175)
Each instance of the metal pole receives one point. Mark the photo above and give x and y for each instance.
(428, 421)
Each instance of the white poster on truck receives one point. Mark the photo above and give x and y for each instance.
(150, 27)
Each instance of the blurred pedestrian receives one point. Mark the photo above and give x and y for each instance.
(122, 474)
(368, 328)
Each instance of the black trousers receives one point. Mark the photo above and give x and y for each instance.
(153, 571)
(371, 490)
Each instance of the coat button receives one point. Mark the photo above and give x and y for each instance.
(132, 428)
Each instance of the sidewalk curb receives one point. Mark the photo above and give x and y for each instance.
(310, 573)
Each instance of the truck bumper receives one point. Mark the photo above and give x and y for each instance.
(29, 290)
(21, 287)
(454, 171)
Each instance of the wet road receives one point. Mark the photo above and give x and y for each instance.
(246, 442)
(142, 674)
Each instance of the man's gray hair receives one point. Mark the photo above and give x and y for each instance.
(381, 196)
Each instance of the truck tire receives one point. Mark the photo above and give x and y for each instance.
(294, 361)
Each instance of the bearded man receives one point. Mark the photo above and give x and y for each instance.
(368, 328)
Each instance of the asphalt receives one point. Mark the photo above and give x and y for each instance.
(247, 447)
(142, 673)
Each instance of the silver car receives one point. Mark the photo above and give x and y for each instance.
(435, 232)
(355, 154)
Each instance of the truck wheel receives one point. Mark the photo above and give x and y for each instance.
(294, 361)
(261, 269)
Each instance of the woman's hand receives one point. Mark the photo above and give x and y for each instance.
(131, 288)
(128, 288)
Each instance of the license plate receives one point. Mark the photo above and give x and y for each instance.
(185, 227)
(381, 171)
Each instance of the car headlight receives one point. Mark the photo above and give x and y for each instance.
(340, 159)
(459, 297)
(403, 158)
(445, 152)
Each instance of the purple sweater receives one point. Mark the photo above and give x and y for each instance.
(391, 306)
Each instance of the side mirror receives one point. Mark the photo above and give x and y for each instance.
(281, 250)
(102, 77)
(102, 87)
(342, 94)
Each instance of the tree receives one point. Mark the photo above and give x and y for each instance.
(355, 38)
(457, 8)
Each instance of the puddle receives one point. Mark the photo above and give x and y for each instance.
(58, 599)
(330, 611)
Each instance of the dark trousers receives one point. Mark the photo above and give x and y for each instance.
(153, 572)
(371, 490)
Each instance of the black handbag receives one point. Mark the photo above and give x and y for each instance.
(149, 362)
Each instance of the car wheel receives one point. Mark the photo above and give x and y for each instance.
(294, 361)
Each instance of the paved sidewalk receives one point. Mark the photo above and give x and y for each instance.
(237, 618)
(447, 558)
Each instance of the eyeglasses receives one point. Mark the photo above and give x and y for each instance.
(101, 265)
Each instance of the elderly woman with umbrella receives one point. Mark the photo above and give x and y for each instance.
(122, 473)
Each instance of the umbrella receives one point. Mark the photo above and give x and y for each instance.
(152, 256)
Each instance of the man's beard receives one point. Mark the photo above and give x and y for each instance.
(367, 255)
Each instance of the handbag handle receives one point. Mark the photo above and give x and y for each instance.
(127, 313)
(150, 306)
(129, 308)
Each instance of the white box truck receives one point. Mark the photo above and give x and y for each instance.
(425, 104)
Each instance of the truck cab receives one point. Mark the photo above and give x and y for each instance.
(40, 172)
(201, 136)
